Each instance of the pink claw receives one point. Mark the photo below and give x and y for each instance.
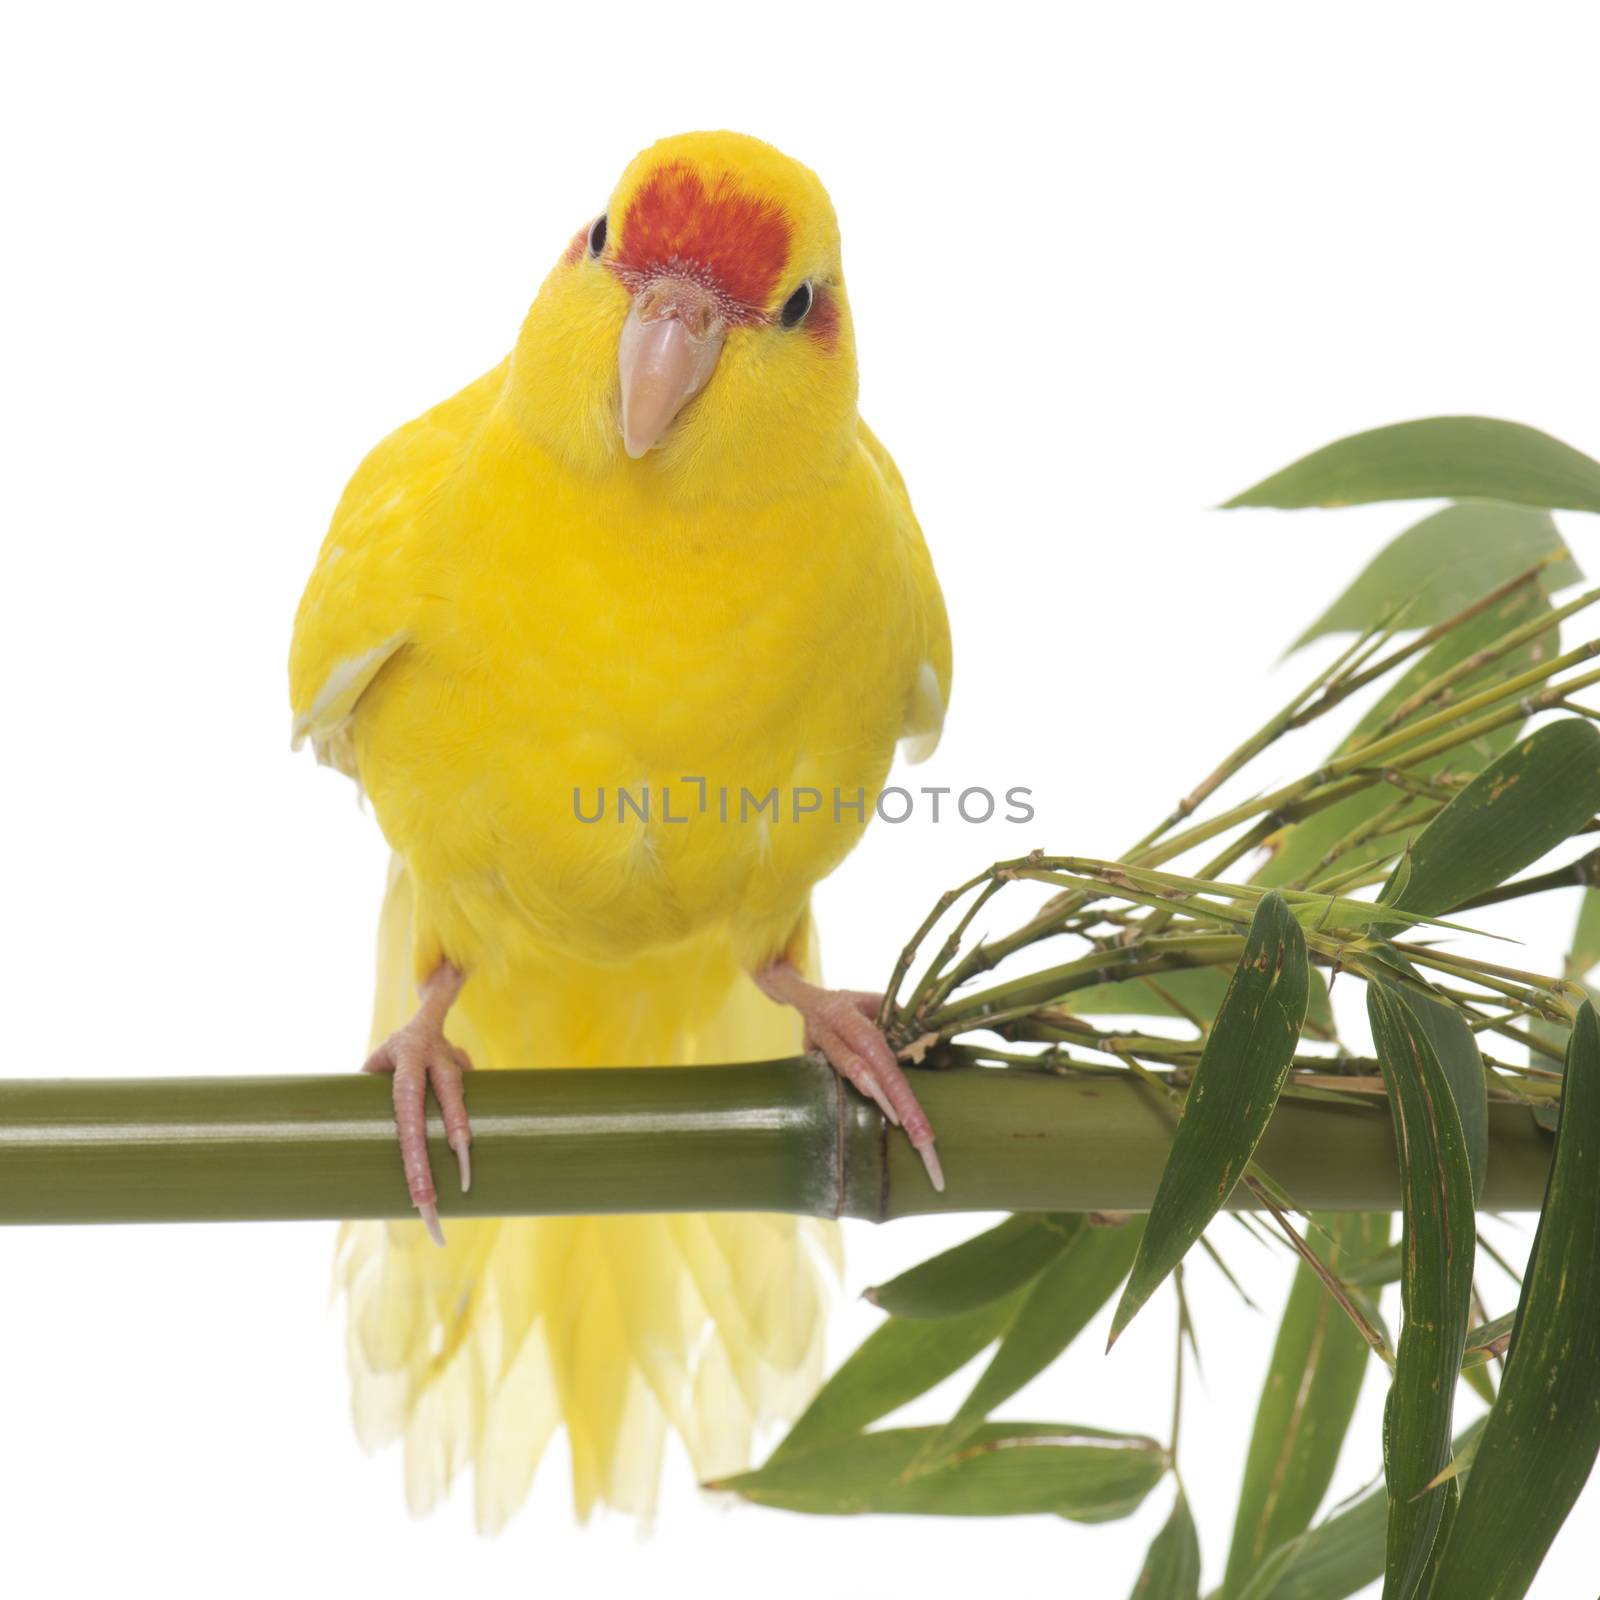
(840, 1023)
(418, 1055)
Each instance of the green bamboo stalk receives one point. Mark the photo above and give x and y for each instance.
(1442, 732)
(1441, 684)
(779, 1136)
(1584, 872)
(1353, 670)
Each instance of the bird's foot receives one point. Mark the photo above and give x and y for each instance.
(840, 1023)
(418, 1055)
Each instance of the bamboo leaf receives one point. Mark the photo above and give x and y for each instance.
(894, 1364)
(1237, 1081)
(1383, 1268)
(1437, 458)
(1460, 1463)
(1063, 1301)
(1435, 1286)
(1313, 1381)
(1172, 1568)
(1188, 992)
(1440, 565)
(1475, 1374)
(1344, 915)
(1487, 1340)
(1538, 793)
(981, 1270)
(1213, 899)
(1340, 1555)
(1332, 1561)
(1450, 1509)
(1543, 1433)
(1585, 954)
(1008, 1469)
(1301, 849)
(1456, 1047)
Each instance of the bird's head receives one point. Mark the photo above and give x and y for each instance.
(695, 332)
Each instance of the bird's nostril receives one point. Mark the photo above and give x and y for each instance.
(682, 301)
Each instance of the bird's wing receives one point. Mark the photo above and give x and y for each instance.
(360, 606)
(927, 626)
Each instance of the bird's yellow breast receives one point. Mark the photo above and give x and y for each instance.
(719, 689)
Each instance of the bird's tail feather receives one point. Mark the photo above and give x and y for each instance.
(624, 1329)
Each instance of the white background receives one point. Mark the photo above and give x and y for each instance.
(1108, 265)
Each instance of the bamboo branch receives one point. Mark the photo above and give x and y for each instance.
(780, 1136)
(1584, 872)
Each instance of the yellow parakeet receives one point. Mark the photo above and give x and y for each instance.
(655, 563)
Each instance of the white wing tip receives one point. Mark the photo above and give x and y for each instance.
(924, 717)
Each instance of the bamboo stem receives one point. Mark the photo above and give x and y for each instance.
(778, 1136)
(1584, 872)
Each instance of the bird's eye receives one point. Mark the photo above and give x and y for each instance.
(597, 235)
(796, 306)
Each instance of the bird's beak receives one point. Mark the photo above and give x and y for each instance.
(670, 344)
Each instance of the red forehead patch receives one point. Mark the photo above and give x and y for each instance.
(675, 220)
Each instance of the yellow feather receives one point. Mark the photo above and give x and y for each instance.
(508, 617)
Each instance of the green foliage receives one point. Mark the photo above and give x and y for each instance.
(1007, 1469)
(1435, 1285)
(1195, 993)
(1340, 1555)
(974, 1274)
(1486, 1340)
(903, 1359)
(1381, 1269)
(1172, 1568)
(1236, 1085)
(1062, 1301)
(1334, 1560)
(1313, 1381)
(1455, 1048)
(1443, 563)
(1536, 795)
(1437, 458)
(1542, 1436)
(1453, 782)
(1380, 817)
(1585, 956)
